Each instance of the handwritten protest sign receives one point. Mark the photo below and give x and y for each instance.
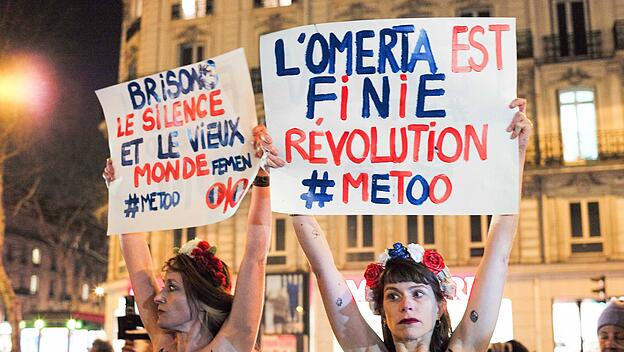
(181, 145)
(393, 116)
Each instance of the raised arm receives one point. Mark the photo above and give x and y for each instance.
(138, 261)
(477, 325)
(350, 328)
(241, 328)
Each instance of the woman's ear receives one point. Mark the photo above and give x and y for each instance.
(441, 308)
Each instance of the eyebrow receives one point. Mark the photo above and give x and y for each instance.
(409, 288)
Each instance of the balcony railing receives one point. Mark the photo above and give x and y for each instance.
(584, 45)
(618, 34)
(133, 29)
(524, 42)
(610, 147)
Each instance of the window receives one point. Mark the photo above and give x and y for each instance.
(34, 284)
(51, 291)
(277, 252)
(177, 238)
(132, 69)
(189, 9)
(360, 238)
(578, 125)
(273, 3)
(256, 80)
(571, 25)
(479, 225)
(479, 12)
(181, 236)
(420, 229)
(191, 233)
(585, 227)
(36, 256)
(84, 293)
(190, 53)
(574, 324)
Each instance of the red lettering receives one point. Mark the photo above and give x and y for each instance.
(142, 172)
(188, 168)
(471, 39)
(314, 146)
(365, 141)
(398, 158)
(447, 192)
(498, 29)
(291, 143)
(344, 97)
(361, 181)
(458, 145)
(201, 164)
(336, 150)
(374, 157)
(219, 189)
(190, 110)
(400, 175)
(417, 129)
(148, 120)
(215, 102)
(455, 47)
(201, 112)
(176, 114)
(481, 145)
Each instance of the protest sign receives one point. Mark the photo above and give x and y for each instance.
(181, 145)
(402, 116)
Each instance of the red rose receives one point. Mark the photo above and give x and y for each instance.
(372, 273)
(204, 245)
(433, 261)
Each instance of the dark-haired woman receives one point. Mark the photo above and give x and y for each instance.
(408, 287)
(195, 310)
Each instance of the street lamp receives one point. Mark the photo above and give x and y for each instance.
(39, 325)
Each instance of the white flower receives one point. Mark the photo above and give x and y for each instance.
(188, 247)
(416, 251)
(383, 258)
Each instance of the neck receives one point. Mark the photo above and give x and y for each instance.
(421, 344)
(193, 338)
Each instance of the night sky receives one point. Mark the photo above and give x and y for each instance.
(79, 41)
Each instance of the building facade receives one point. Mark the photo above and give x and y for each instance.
(52, 282)
(571, 235)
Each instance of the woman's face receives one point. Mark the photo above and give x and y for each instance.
(174, 312)
(611, 338)
(411, 310)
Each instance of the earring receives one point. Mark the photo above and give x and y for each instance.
(438, 323)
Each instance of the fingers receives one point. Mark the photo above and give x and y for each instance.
(274, 161)
(518, 103)
(109, 171)
(521, 125)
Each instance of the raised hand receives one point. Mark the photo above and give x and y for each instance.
(263, 143)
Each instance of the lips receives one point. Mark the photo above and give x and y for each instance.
(409, 321)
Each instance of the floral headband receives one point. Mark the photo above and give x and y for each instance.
(208, 264)
(430, 258)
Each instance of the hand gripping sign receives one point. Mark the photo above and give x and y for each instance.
(403, 116)
(181, 145)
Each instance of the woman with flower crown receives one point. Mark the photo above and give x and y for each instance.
(195, 310)
(409, 286)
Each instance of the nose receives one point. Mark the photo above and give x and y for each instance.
(406, 305)
(159, 298)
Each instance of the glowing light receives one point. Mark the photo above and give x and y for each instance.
(188, 9)
(27, 85)
(299, 309)
(22, 324)
(79, 324)
(99, 291)
(40, 324)
(71, 324)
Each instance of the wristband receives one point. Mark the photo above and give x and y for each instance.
(262, 181)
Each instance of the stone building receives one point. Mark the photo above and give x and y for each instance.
(570, 68)
(52, 282)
